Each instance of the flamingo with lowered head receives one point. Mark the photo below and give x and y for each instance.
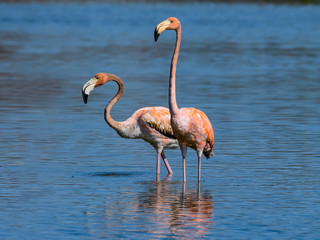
(190, 126)
(151, 124)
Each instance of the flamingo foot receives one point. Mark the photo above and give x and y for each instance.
(168, 177)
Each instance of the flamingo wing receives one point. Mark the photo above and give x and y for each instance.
(158, 118)
(208, 133)
(207, 127)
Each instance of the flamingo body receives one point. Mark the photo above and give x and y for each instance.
(151, 124)
(193, 129)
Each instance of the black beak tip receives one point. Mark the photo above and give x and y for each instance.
(85, 97)
(156, 35)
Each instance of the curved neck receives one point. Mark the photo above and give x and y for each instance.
(172, 82)
(112, 123)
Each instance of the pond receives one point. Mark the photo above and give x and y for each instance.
(253, 69)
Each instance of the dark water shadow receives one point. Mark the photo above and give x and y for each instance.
(114, 174)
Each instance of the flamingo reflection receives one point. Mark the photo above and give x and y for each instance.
(185, 213)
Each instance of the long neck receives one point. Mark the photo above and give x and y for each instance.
(112, 123)
(172, 82)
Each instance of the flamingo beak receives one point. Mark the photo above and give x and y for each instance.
(87, 88)
(160, 28)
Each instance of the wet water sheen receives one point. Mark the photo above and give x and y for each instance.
(253, 69)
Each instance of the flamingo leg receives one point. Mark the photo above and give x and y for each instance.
(199, 153)
(166, 163)
(198, 195)
(183, 190)
(184, 169)
(158, 163)
(199, 168)
(184, 152)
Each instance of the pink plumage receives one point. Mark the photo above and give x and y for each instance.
(190, 126)
(151, 124)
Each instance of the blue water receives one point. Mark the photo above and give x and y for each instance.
(253, 69)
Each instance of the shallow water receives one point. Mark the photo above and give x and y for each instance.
(253, 69)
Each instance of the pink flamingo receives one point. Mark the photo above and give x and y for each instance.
(190, 126)
(151, 124)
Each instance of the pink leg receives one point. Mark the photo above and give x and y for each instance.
(198, 195)
(184, 189)
(199, 168)
(199, 153)
(184, 169)
(184, 152)
(166, 163)
(158, 165)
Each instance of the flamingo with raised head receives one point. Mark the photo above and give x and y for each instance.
(190, 126)
(151, 124)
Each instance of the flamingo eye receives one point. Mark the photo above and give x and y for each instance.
(97, 77)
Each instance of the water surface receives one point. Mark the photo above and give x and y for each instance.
(253, 69)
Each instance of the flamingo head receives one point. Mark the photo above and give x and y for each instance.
(171, 23)
(98, 80)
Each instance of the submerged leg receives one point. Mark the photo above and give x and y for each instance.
(166, 163)
(184, 152)
(198, 193)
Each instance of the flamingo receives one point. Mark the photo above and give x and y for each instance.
(151, 124)
(190, 126)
